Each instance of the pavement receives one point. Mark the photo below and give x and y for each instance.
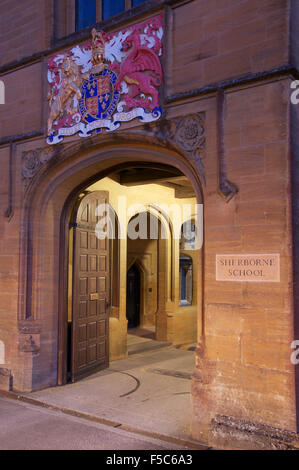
(27, 427)
(147, 393)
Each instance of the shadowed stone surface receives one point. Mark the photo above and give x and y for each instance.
(26, 427)
(149, 390)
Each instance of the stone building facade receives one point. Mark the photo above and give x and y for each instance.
(226, 133)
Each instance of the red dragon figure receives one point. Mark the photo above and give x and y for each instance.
(142, 71)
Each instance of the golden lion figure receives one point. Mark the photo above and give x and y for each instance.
(71, 81)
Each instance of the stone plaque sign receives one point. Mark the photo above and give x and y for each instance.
(248, 268)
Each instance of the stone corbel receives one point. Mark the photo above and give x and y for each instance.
(6, 379)
(32, 160)
(226, 188)
(28, 344)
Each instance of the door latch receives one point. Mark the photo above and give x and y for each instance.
(94, 296)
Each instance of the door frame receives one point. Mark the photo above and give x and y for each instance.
(140, 290)
(142, 273)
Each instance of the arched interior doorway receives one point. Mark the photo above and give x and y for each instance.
(133, 296)
(148, 240)
(142, 267)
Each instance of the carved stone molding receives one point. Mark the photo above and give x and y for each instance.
(32, 160)
(5, 372)
(187, 133)
(29, 327)
(6, 379)
(190, 136)
(27, 344)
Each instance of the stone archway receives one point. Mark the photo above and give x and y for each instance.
(151, 258)
(44, 248)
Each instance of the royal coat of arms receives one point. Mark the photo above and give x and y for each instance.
(99, 97)
(113, 79)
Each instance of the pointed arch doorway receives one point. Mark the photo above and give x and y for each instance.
(158, 302)
(133, 296)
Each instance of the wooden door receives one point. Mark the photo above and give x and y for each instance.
(90, 322)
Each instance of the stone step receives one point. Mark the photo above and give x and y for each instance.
(147, 346)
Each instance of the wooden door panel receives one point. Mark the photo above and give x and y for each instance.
(93, 241)
(83, 240)
(102, 263)
(92, 285)
(83, 309)
(83, 283)
(101, 328)
(101, 350)
(102, 307)
(102, 285)
(92, 353)
(90, 291)
(83, 263)
(92, 263)
(102, 244)
(93, 308)
(82, 333)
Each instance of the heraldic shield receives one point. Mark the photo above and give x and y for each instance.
(99, 98)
